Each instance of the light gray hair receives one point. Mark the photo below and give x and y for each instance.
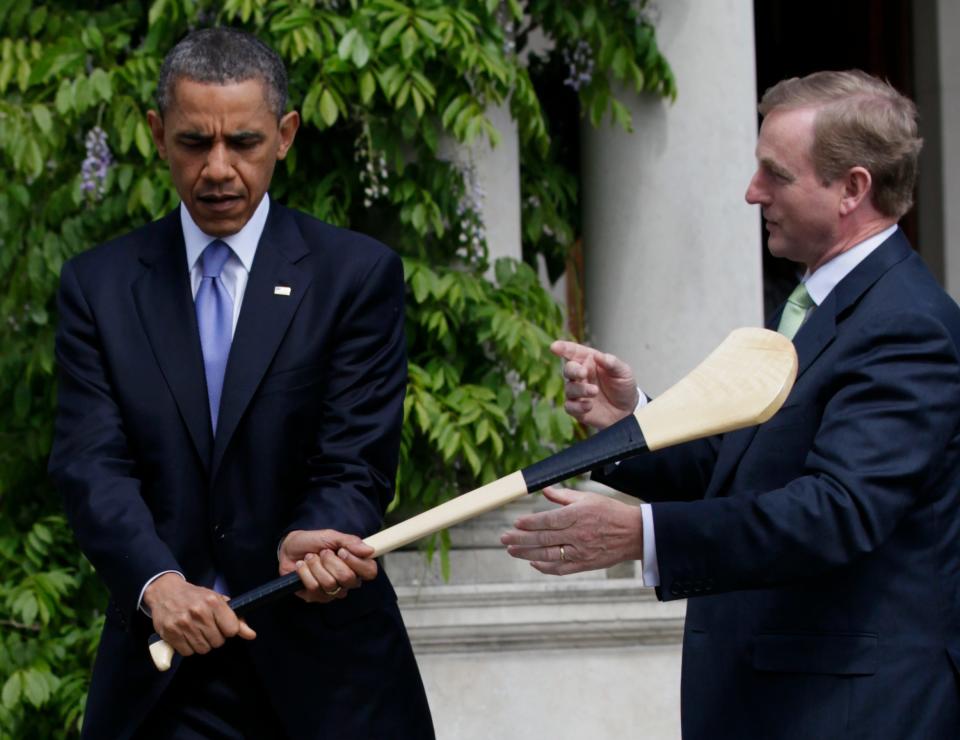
(220, 56)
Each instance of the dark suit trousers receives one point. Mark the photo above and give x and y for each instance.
(216, 696)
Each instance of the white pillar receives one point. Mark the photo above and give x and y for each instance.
(672, 250)
(936, 25)
(498, 172)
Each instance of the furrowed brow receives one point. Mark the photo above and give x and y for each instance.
(245, 137)
(194, 137)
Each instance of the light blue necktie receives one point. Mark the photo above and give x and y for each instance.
(215, 319)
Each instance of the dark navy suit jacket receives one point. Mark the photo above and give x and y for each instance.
(821, 551)
(307, 438)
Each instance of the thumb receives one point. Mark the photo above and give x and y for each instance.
(562, 496)
(246, 631)
(313, 540)
(355, 545)
(614, 366)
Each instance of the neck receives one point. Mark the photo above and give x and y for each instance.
(852, 236)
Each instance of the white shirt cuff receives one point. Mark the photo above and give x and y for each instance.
(651, 569)
(143, 607)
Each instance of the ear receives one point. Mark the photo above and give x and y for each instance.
(288, 130)
(856, 187)
(155, 121)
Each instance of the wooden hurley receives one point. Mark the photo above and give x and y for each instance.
(743, 382)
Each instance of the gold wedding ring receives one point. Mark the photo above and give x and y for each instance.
(334, 592)
(563, 555)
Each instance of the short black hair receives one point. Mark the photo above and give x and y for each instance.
(219, 56)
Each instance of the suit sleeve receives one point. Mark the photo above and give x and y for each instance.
(353, 464)
(679, 473)
(892, 413)
(90, 462)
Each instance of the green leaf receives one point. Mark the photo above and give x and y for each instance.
(345, 47)
(143, 139)
(403, 93)
(621, 59)
(368, 86)
(23, 74)
(12, 689)
(41, 114)
(361, 52)
(36, 688)
(391, 32)
(157, 9)
(328, 107)
(589, 18)
(25, 606)
(124, 176)
(37, 18)
(418, 103)
(100, 83)
(65, 98)
(409, 42)
(33, 158)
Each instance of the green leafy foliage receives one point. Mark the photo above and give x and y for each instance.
(383, 88)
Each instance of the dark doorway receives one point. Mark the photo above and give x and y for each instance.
(796, 38)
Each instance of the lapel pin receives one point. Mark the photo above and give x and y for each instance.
(281, 290)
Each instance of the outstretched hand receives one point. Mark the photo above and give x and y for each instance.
(588, 532)
(329, 563)
(600, 388)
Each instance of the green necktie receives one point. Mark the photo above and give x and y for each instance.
(795, 311)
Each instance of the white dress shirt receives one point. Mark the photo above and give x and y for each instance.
(235, 273)
(819, 284)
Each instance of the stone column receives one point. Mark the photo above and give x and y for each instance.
(937, 57)
(672, 250)
(496, 172)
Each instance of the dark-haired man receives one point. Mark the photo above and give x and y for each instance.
(820, 552)
(231, 378)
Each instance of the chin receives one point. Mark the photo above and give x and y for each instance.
(776, 249)
(220, 227)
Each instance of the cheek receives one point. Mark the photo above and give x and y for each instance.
(256, 174)
(184, 168)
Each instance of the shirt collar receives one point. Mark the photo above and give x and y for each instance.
(820, 283)
(243, 243)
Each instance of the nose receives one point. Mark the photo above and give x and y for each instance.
(218, 168)
(755, 194)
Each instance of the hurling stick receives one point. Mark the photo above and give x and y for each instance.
(743, 382)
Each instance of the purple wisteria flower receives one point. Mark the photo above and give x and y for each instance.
(373, 170)
(580, 64)
(473, 233)
(93, 171)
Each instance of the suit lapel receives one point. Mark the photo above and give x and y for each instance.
(264, 318)
(165, 306)
(813, 338)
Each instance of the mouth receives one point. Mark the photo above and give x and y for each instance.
(219, 201)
